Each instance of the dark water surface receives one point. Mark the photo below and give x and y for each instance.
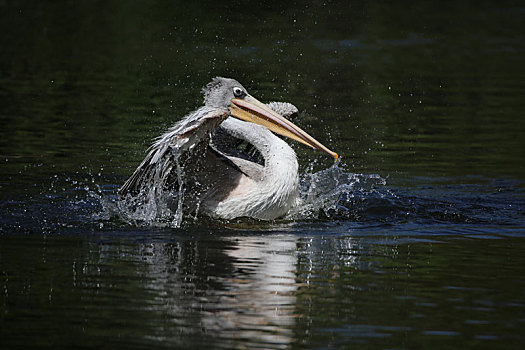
(415, 240)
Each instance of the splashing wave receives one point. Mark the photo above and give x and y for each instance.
(332, 193)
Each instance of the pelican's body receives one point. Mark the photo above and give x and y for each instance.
(197, 165)
(262, 192)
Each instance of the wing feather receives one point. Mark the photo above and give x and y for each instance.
(192, 133)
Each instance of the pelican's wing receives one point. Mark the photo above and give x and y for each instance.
(287, 110)
(182, 143)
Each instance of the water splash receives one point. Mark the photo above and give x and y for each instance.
(153, 205)
(145, 209)
(328, 193)
(323, 194)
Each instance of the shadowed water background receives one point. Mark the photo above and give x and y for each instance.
(414, 240)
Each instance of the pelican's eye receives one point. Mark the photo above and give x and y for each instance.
(238, 92)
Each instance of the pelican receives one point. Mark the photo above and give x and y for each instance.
(224, 158)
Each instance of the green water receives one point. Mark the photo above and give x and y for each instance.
(423, 248)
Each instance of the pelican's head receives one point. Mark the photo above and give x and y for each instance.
(220, 91)
(225, 92)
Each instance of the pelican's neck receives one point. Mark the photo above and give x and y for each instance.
(275, 190)
(280, 160)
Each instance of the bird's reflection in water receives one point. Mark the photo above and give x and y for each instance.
(232, 287)
(265, 285)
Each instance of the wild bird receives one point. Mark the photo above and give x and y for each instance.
(224, 159)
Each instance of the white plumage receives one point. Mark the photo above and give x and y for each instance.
(214, 163)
